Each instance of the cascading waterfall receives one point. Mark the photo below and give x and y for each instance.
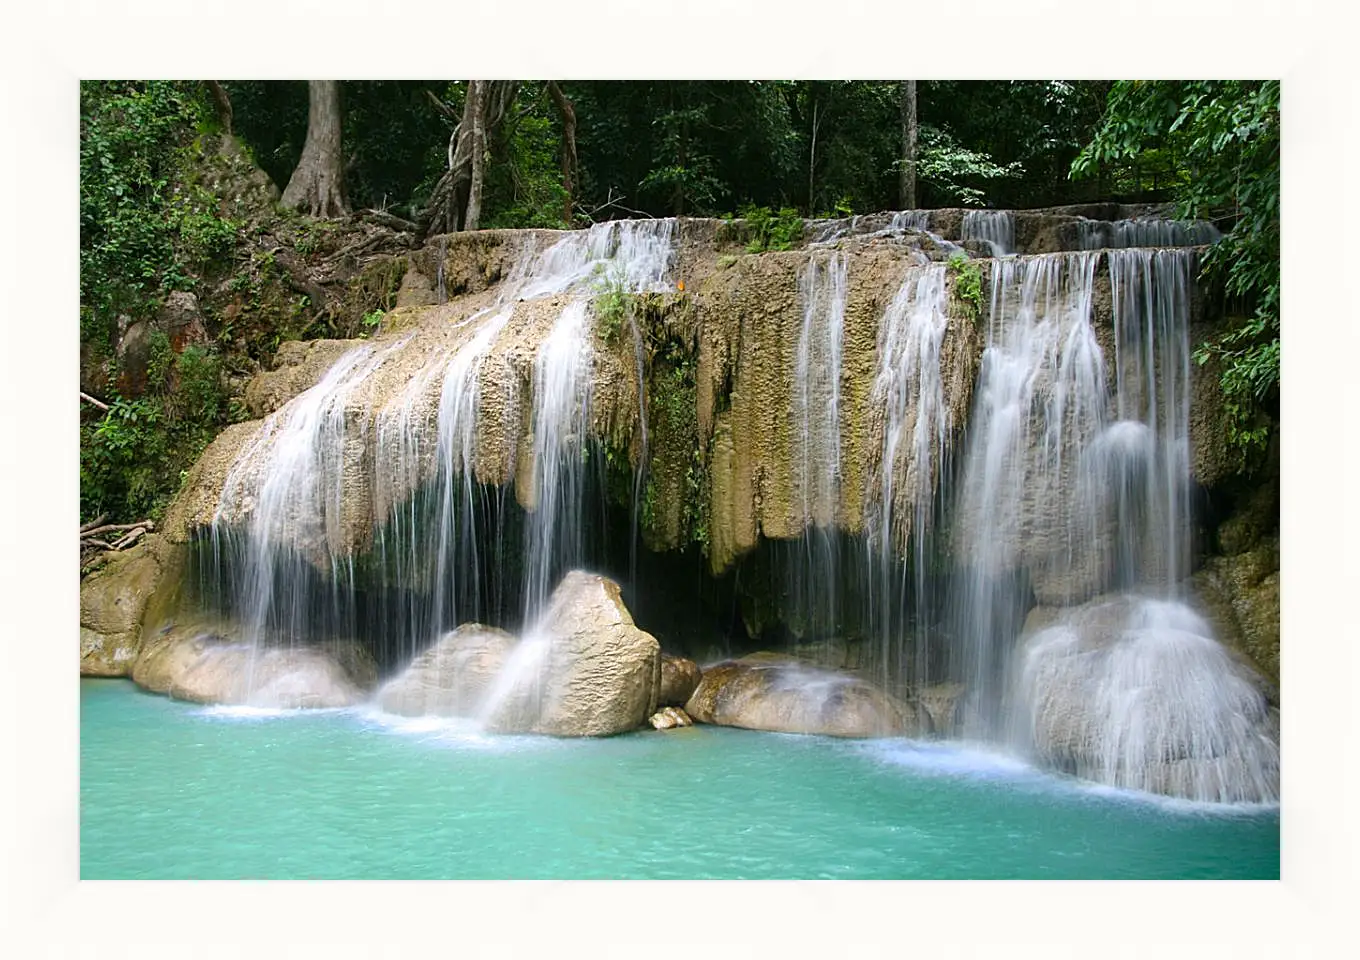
(1072, 494)
(288, 482)
(283, 564)
(1095, 234)
(996, 228)
(817, 413)
(1040, 398)
(909, 391)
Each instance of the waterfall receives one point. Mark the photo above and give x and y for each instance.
(1095, 234)
(282, 558)
(908, 392)
(996, 228)
(1040, 397)
(817, 416)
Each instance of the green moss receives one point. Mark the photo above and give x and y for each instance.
(967, 278)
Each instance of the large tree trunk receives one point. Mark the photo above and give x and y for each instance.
(569, 162)
(909, 130)
(317, 186)
(476, 94)
(451, 203)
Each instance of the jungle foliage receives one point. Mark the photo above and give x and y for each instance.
(1216, 144)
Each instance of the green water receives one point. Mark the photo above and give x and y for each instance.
(173, 790)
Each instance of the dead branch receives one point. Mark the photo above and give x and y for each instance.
(93, 402)
(117, 527)
(86, 528)
(130, 539)
(385, 219)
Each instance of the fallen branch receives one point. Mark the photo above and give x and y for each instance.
(116, 527)
(130, 539)
(93, 402)
(96, 543)
(86, 528)
(389, 220)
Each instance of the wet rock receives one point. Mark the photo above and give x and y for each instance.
(768, 691)
(1137, 694)
(1240, 596)
(670, 718)
(453, 677)
(205, 663)
(940, 705)
(594, 673)
(298, 365)
(679, 677)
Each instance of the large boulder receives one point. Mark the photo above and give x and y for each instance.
(204, 663)
(584, 670)
(679, 678)
(594, 673)
(770, 692)
(1137, 693)
(113, 602)
(452, 678)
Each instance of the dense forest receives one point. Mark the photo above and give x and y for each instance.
(212, 214)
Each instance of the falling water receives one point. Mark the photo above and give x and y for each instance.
(289, 484)
(284, 562)
(817, 416)
(1040, 397)
(996, 228)
(1095, 234)
(909, 391)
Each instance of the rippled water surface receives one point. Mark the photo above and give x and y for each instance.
(174, 790)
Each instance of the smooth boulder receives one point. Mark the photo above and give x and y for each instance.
(679, 679)
(771, 692)
(584, 670)
(204, 663)
(452, 678)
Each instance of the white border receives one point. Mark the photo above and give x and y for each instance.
(45, 911)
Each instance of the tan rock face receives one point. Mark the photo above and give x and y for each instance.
(679, 677)
(297, 366)
(770, 692)
(1240, 596)
(204, 664)
(113, 601)
(453, 677)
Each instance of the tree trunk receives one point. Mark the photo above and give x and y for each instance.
(568, 113)
(317, 186)
(222, 103)
(451, 203)
(476, 97)
(812, 159)
(909, 131)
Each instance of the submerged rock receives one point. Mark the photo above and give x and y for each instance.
(1136, 693)
(679, 677)
(670, 718)
(771, 692)
(203, 663)
(452, 678)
